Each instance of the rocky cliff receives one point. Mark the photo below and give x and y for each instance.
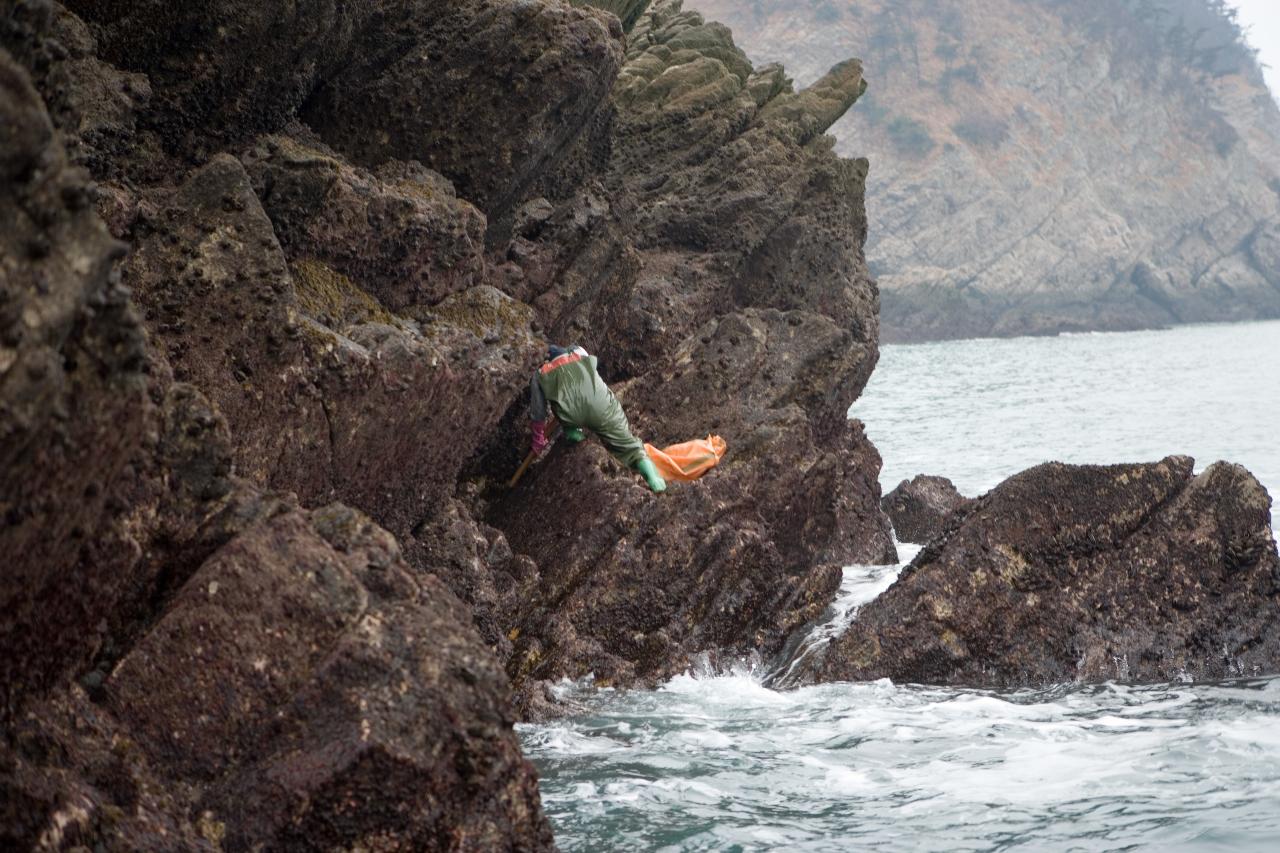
(1048, 165)
(274, 279)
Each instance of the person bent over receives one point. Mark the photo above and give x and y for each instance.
(568, 387)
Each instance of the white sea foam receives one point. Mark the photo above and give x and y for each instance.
(902, 767)
(859, 586)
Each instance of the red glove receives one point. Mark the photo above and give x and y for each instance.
(540, 442)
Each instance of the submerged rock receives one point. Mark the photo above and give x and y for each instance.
(1080, 573)
(919, 507)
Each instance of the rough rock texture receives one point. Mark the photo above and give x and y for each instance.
(224, 70)
(1081, 573)
(322, 673)
(476, 562)
(204, 647)
(72, 397)
(98, 104)
(69, 776)
(919, 507)
(422, 85)
(627, 11)
(1044, 167)
(350, 413)
(302, 690)
(727, 288)
(403, 234)
(271, 586)
(346, 690)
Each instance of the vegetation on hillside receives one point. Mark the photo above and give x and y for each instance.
(1180, 47)
(1204, 37)
(1183, 46)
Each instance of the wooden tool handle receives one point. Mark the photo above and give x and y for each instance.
(528, 460)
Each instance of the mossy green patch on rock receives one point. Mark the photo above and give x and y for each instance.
(298, 154)
(330, 296)
(401, 232)
(487, 313)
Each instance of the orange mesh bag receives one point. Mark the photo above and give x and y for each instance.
(687, 461)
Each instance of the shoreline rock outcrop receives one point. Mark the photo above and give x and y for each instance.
(268, 312)
(1068, 573)
(741, 305)
(266, 583)
(176, 638)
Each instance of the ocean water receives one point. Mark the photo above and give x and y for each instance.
(720, 762)
(978, 411)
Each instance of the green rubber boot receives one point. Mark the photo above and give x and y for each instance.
(573, 435)
(651, 476)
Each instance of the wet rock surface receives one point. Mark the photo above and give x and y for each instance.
(919, 507)
(1080, 573)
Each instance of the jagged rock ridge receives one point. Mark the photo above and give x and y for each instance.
(1049, 166)
(749, 313)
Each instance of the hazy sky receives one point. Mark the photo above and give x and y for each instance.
(1262, 17)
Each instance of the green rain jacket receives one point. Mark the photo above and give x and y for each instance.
(578, 397)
